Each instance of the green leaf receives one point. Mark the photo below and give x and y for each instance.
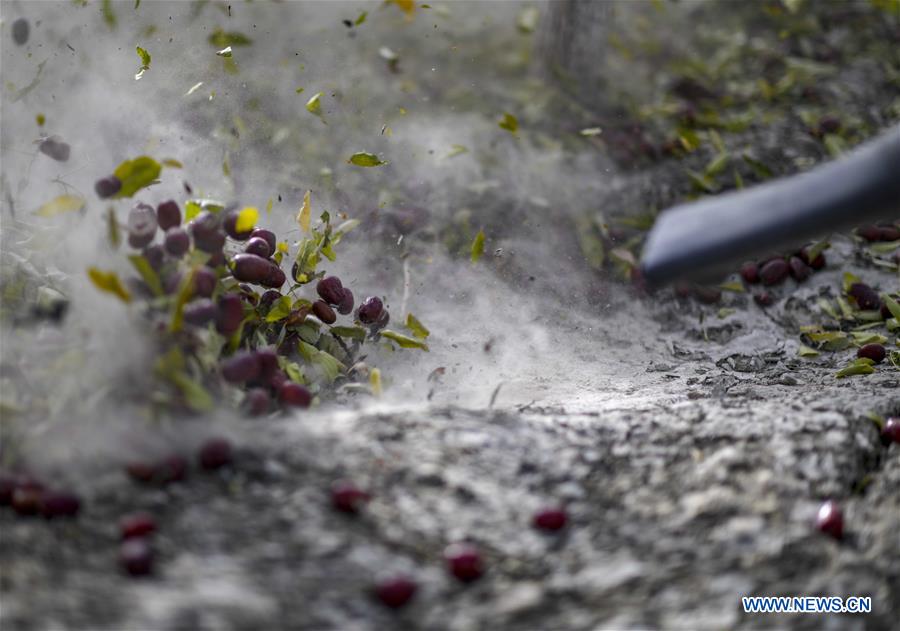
(848, 280)
(528, 19)
(404, 341)
(109, 282)
(587, 132)
(478, 246)
(279, 310)
(418, 329)
(806, 351)
(109, 16)
(861, 366)
(330, 366)
(894, 358)
(718, 164)
(813, 251)
(145, 62)
(375, 382)
(509, 123)
(303, 216)
(734, 286)
(365, 159)
(195, 395)
(60, 205)
(185, 291)
(702, 182)
(221, 39)
(148, 274)
(761, 170)
(351, 332)
(892, 305)
(861, 338)
(136, 174)
(112, 228)
(314, 104)
(361, 18)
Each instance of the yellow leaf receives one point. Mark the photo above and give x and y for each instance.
(478, 246)
(282, 246)
(314, 104)
(247, 219)
(407, 6)
(269, 206)
(375, 381)
(304, 214)
(59, 205)
(172, 163)
(109, 282)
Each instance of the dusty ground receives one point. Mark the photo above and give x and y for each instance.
(692, 447)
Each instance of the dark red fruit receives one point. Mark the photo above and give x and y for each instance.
(464, 561)
(278, 378)
(268, 235)
(137, 525)
(370, 310)
(268, 297)
(750, 272)
(551, 518)
(215, 453)
(866, 298)
(330, 290)
(20, 30)
(764, 299)
(177, 242)
(294, 394)
(141, 471)
(229, 313)
(241, 367)
(829, 125)
(26, 498)
(346, 304)
(890, 433)
(155, 256)
(257, 401)
(107, 186)
(136, 556)
(55, 148)
(274, 278)
(816, 263)
(251, 268)
(322, 311)
(171, 469)
(683, 289)
(59, 504)
(707, 295)
(200, 312)
(207, 233)
(347, 497)
(830, 520)
(799, 270)
(889, 233)
(774, 272)
(204, 281)
(168, 215)
(8, 483)
(259, 247)
(875, 352)
(268, 363)
(230, 225)
(395, 591)
(869, 233)
(141, 225)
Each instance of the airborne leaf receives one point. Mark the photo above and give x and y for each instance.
(60, 205)
(375, 381)
(477, 246)
(221, 39)
(404, 341)
(145, 62)
(418, 329)
(304, 214)
(109, 282)
(136, 174)
(314, 104)
(364, 159)
(509, 122)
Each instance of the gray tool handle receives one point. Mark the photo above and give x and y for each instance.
(700, 240)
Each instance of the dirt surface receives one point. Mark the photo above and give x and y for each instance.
(690, 443)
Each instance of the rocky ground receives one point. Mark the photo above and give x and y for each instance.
(690, 444)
